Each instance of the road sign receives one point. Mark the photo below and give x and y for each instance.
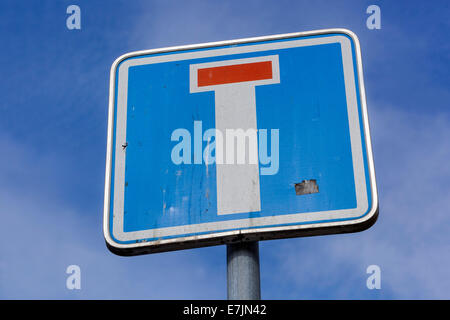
(250, 139)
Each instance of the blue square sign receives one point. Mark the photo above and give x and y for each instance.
(250, 139)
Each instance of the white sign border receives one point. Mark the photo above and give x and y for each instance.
(362, 203)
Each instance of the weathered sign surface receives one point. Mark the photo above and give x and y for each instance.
(248, 139)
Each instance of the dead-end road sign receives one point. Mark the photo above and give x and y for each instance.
(241, 140)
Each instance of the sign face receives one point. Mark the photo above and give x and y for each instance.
(249, 139)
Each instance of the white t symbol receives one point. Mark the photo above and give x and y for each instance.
(233, 82)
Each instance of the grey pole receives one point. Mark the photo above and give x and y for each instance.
(243, 282)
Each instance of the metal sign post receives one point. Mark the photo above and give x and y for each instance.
(243, 280)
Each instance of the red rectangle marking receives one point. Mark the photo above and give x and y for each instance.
(234, 73)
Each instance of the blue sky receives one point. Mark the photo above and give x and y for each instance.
(53, 122)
